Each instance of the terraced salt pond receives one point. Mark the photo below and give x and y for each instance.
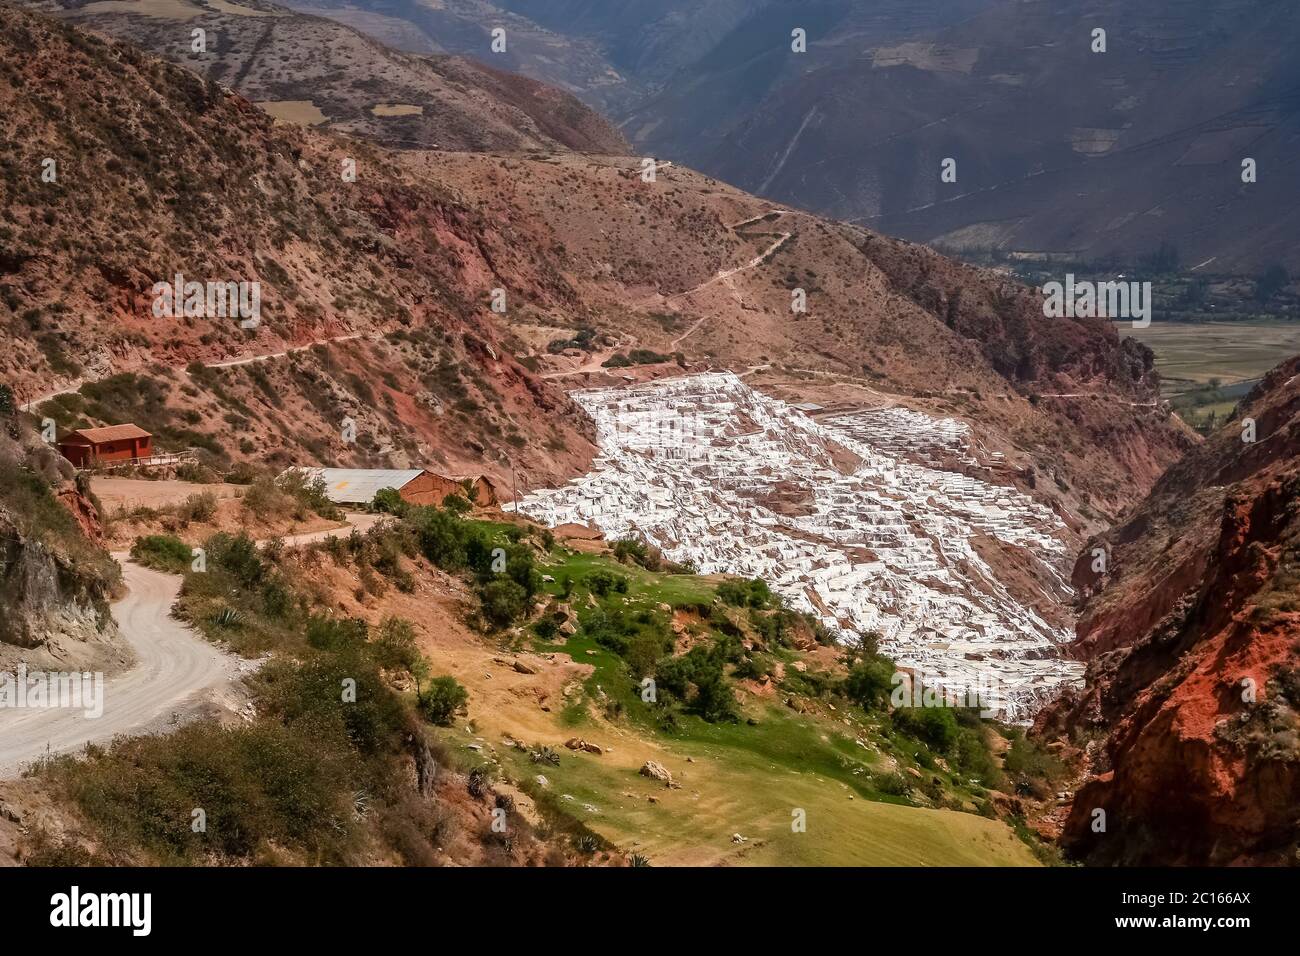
(873, 521)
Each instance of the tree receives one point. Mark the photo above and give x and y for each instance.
(389, 501)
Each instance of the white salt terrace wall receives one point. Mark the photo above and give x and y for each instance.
(688, 463)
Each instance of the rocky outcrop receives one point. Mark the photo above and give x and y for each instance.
(1191, 629)
(55, 578)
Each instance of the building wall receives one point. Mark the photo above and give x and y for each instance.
(422, 490)
(77, 454)
(125, 450)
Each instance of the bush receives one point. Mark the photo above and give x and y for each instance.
(441, 699)
(265, 500)
(388, 501)
(236, 555)
(503, 601)
(394, 645)
(335, 634)
(1027, 759)
(934, 726)
(198, 507)
(457, 504)
(697, 679)
(162, 552)
(754, 593)
(870, 683)
(602, 583)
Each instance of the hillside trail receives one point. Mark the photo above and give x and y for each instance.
(31, 402)
(176, 669)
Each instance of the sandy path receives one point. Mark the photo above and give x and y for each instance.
(361, 522)
(128, 493)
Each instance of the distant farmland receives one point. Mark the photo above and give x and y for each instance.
(1190, 356)
(1206, 367)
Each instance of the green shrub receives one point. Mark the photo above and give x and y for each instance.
(697, 678)
(754, 593)
(441, 699)
(602, 583)
(335, 634)
(162, 552)
(934, 726)
(236, 555)
(388, 501)
(870, 683)
(457, 504)
(503, 601)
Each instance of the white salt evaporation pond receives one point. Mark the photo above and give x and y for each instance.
(872, 521)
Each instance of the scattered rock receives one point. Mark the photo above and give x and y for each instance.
(523, 668)
(577, 743)
(656, 771)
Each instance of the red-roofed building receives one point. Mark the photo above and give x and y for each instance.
(86, 447)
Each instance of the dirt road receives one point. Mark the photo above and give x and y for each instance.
(173, 667)
(175, 670)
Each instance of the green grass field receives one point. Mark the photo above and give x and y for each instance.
(753, 777)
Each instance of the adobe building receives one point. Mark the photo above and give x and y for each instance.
(88, 447)
(417, 486)
(358, 486)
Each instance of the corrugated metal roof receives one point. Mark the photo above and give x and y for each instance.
(358, 486)
(109, 433)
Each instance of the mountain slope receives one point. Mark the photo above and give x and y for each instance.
(182, 177)
(394, 274)
(1193, 643)
(315, 71)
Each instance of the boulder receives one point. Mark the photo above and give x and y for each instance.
(656, 771)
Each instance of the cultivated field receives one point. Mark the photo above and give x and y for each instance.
(1191, 355)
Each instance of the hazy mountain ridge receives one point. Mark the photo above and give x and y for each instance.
(1058, 149)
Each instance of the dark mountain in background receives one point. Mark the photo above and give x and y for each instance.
(1058, 149)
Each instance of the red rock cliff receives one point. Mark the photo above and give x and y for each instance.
(1192, 634)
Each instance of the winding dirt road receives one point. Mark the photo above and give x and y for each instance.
(175, 668)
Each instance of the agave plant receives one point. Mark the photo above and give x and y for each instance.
(478, 782)
(227, 617)
(636, 859)
(545, 755)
